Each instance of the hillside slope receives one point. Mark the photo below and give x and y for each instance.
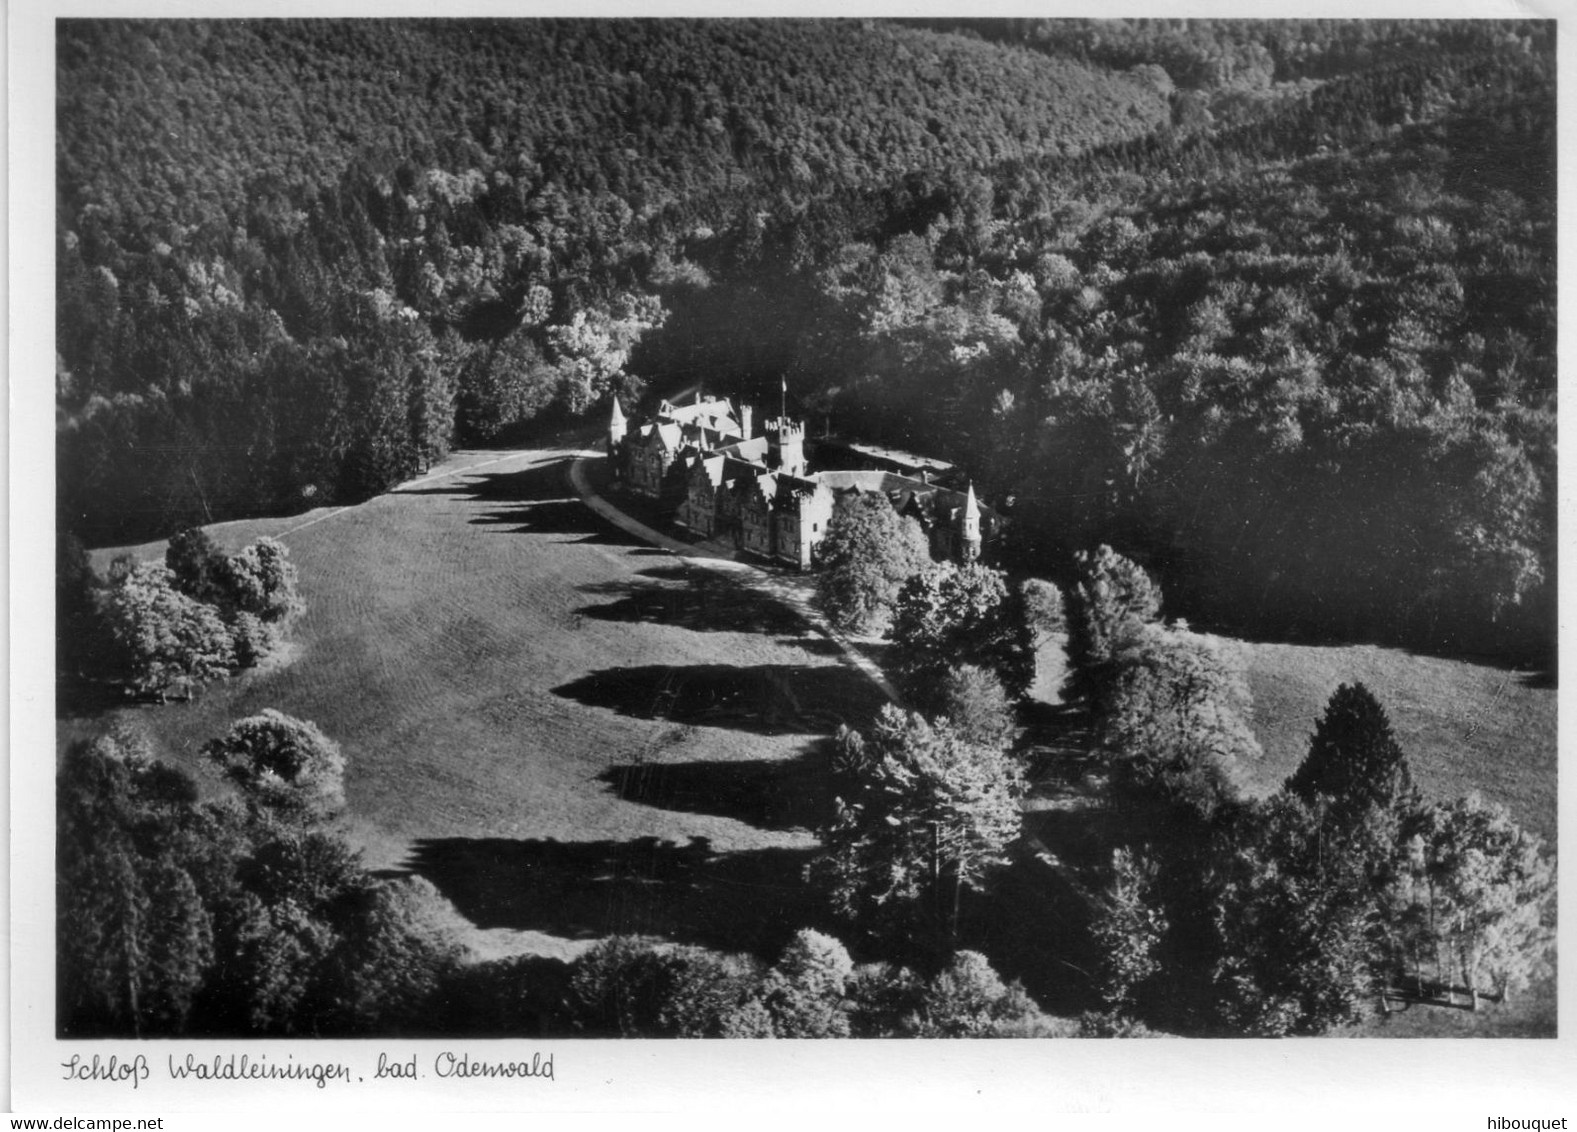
(174, 122)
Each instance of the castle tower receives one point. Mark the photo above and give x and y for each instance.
(969, 527)
(616, 429)
(786, 446)
(745, 421)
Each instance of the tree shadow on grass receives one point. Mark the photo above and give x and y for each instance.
(776, 794)
(534, 500)
(1547, 678)
(766, 699)
(749, 901)
(693, 598)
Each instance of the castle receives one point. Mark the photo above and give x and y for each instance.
(759, 491)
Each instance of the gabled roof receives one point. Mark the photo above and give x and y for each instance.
(929, 502)
(716, 415)
(753, 450)
(708, 464)
(766, 486)
(663, 433)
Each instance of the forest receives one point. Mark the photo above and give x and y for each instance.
(1271, 305)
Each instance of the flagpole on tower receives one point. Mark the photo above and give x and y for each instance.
(783, 407)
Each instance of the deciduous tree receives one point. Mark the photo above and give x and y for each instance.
(162, 637)
(805, 993)
(948, 615)
(1294, 906)
(1488, 893)
(1172, 719)
(868, 552)
(968, 999)
(196, 565)
(977, 705)
(261, 580)
(1128, 926)
(921, 814)
(135, 939)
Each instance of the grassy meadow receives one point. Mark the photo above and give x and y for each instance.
(554, 724)
(573, 734)
(1463, 726)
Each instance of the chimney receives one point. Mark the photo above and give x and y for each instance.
(744, 420)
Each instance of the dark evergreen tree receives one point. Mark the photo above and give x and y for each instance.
(1112, 599)
(1354, 759)
(196, 565)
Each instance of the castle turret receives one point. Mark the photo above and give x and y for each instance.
(786, 446)
(616, 429)
(745, 422)
(969, 527)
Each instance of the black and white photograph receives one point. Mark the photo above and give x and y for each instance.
(576, 526)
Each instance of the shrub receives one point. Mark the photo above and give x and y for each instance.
(968, 999)
(631, 988)
(284, 766)
(805, 993)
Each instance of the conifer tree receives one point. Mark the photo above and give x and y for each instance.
(1354, 758)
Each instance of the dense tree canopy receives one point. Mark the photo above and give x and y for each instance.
(1270, 302)
(1173, 721)
(180, 917)
(200, 615)
(1112, 599)
(947, 615)
(921, 813)
(1301, 912)
(162, 638)
(295, 255)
